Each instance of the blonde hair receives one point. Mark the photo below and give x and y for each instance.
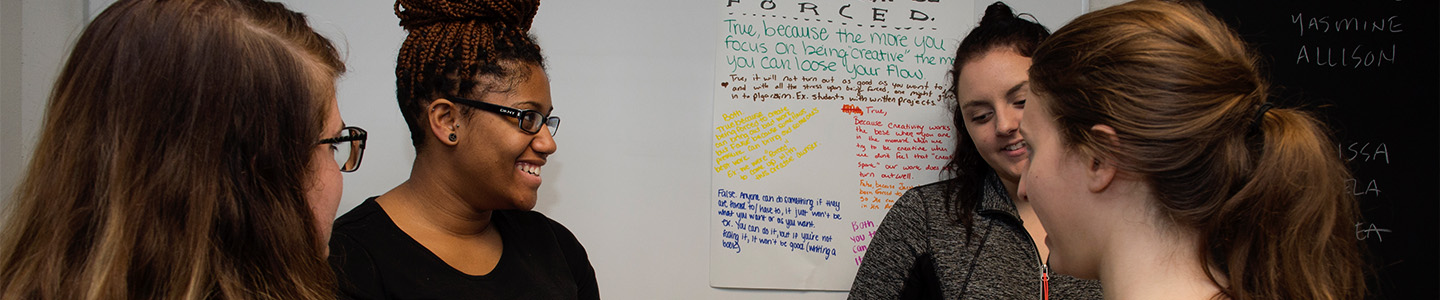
(1184, 95)
(175, 158)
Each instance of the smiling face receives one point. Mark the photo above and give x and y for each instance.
(992, 93)
(501, 160)
(1055, 183)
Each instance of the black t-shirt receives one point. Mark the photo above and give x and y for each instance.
(374, 259)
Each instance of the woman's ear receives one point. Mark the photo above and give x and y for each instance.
(1101, 172)
(444, 120)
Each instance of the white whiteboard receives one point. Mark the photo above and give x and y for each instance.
(633, 82)
(827, 112)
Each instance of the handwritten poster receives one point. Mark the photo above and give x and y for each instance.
(825, 113)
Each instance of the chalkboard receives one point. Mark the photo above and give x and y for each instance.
(1370, 67)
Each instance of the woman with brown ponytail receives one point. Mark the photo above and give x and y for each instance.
(188, 152)
(969, 237)
(1159, 167)
(472, 87)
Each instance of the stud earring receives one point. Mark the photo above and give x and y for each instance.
(452, 134)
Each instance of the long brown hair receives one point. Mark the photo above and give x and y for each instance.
(1184, 95)
(453, 45)
(174, 159)
(1000, 29)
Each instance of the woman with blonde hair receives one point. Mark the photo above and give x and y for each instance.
(1159, 167)
(188, 152)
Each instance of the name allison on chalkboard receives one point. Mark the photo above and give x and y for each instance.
(1355, 56)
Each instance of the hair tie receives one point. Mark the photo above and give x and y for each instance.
(1260, 116)
(1032, 17)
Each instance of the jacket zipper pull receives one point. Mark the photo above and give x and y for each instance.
(1045, 280)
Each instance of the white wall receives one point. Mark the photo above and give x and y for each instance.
(632, 80)
(1102, 4)
(9, 98)
(35, 37)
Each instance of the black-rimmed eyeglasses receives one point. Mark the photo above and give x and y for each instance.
(349, 147)
(530, 121)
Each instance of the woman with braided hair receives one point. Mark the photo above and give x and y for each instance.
(472, 87)
(1158, 167)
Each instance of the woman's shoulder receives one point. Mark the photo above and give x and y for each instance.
(361, 217)
(929, 194)
(920, 207)
(935, 188)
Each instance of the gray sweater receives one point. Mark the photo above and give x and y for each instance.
(921, 253)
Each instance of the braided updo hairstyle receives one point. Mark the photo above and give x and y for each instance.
(460, 48)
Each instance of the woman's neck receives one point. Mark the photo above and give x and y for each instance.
(426, 201)
(1012, 186)
(1147, 261)
(444, 223)
(1028, 219)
